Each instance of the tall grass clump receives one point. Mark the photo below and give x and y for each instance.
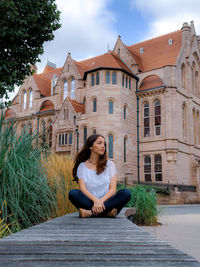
(60, 179)
(145, 202)
(23, 180)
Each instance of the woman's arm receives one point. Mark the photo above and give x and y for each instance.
(98, 203)
(112, 188)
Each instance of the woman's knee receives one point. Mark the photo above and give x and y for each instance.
(126, 193)
(73, 194)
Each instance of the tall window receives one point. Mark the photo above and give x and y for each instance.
(65, 138)
(67, 114)
(97, 78)
(70, 139)
(25, 100)
(122, 79)
(158, 167)
(64, 114)
(124, 111)
(126, 82)
(183, 75)
(146, 120)
(50, 133)
(43, 126)
(107, 76)
(65, 89)
(196, 83)
(147, 168)
(125, 149)
(184, 123)
(157, 117)
(129, 83)
(72, 88)
(74, 119)
(194, 127)
(94, 105)
(114, 78)
(110, 107)
(84, 134)
(60, 137)
(92, 79)
(193, 77)
(110, 146)
(30, 99)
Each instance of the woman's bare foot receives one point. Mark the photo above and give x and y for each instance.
(112, 213)
(85, 213)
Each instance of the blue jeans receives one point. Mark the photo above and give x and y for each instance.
(117, 201)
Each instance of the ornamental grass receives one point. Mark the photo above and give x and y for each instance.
(59, 172)
(24, 185)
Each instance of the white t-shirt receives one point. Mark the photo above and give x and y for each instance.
(97, 184)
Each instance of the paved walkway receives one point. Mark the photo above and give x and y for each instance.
(180, 228)
(70, 241)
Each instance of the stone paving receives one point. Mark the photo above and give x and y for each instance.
(180, 228)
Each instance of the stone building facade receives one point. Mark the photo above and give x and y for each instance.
(99, 95)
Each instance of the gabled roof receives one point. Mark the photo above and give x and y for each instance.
(77, 106)
(157, 51)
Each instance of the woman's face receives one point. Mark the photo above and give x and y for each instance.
(99, 146)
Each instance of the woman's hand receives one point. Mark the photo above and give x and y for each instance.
(98, 207)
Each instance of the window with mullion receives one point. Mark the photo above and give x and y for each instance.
(107, 77)
(146, 120)
(147, 168)
(158, 167)
(157, 117)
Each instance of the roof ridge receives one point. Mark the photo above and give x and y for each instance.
(153, 38)
(92, 58)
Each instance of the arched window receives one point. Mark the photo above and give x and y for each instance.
(124, 112)
(84, 134)
(50, 133)
(92, 79)
(157, 117)
(196, 83)
(114, 78)
(94, 105)
(97, 78)
(125, 149)
(30, 99)
(158, 167)
(70, 139)
(184, 123)
(194, 127)
(110, 146)
(110, 107)
(73, 88)
(25, 99)
(123, 80)
(146, 120)
(193, 77)
(65, 89)
(107, 76)
(147, 168)
(183, 75)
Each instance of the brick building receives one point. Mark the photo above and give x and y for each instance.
(99, 95)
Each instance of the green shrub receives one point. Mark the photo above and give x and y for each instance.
(23, 181)
(145, 202)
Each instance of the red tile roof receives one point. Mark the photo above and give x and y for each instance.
(157, 52)
(77, 106)
(47, 105)
(10, 114)
(151, 81)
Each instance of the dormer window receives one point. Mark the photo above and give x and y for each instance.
(141, 50)
(170, 41)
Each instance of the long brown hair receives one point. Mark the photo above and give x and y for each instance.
(84, 155)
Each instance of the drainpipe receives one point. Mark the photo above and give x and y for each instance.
(138, 134)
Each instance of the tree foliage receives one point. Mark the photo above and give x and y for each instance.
(24, 27)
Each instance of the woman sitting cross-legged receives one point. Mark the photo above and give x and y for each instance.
(97, 179)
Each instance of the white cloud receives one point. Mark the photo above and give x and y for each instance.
(87, 28)
(164, 16)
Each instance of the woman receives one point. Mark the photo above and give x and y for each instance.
(97, 179)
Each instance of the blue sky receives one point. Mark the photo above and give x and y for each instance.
(89, 25)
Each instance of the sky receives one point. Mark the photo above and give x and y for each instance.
(90, 27)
